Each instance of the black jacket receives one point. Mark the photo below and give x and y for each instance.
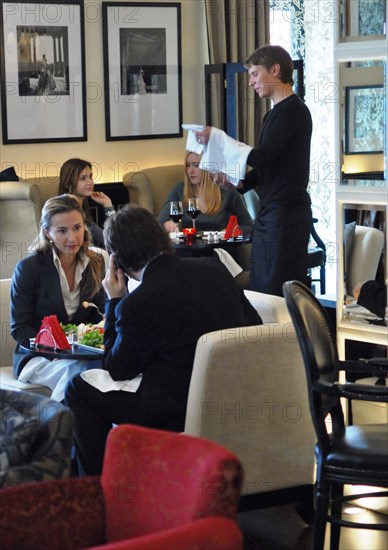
(155, 329)
(35, 293)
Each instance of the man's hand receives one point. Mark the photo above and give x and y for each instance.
(357, 290)
(204, 136)
(114, 282)
(221, 180)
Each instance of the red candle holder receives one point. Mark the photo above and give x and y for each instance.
(189, 233)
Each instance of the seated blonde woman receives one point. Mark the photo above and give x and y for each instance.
(216, 204)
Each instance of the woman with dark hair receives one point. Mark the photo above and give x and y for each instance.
(150, 334)
(56, 279)
(280, 172)
(76, 178)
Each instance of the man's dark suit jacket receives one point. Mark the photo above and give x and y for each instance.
(155, 329)
(373, 296)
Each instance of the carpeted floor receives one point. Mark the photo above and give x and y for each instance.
(281, 528)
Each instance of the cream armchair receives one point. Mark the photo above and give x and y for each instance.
(149, 187)
(364, 256)
(8, 380)
(248, 393)
(20, 207)
(20, 210)
(48, 187)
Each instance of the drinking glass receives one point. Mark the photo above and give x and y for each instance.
(176, 214)
(193, 209)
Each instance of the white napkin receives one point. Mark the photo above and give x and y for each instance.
(222, 153)
(229, 262)
(225, 154)
(102, 380)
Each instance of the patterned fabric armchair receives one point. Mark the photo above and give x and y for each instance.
(36, 438)
(157, 490)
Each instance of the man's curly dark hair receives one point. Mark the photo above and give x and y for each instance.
(135, 237)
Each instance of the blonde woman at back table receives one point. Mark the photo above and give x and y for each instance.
(216, 204)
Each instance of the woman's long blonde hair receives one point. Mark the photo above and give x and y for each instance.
(94, 272)
(209, 193)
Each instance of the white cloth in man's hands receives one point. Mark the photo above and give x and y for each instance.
(226, 155)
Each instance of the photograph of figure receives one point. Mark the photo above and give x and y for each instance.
(43, 60)
(143, 57)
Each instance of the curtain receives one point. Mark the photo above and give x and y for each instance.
(235, 29)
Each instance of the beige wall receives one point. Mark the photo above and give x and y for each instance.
(112, 159)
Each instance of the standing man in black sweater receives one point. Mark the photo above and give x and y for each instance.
(280, 172)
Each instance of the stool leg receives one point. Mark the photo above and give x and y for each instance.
(323, 279)
(322, 501)
(336, 511)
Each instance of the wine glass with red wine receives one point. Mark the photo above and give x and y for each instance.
(193, 209)
(176, 214)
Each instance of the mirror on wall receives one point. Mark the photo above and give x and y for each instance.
(363, 122)
(362, 19)
(364, 258)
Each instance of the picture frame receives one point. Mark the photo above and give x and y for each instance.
(364, 120)
(298, 77)
(42, 60)
(142, 70)
(364, 18)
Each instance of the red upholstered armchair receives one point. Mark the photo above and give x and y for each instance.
(157, 490)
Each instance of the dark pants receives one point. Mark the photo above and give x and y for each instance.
(279, 247)
(95, 412)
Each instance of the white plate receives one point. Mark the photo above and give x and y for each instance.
(88, 348)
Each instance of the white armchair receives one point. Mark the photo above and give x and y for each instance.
(248, 392)
(149, 187)
(364, 256)
(20, 206)
(8, 380)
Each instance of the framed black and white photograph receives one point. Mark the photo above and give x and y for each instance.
(364, 119)
(142, 70)
(43, 72)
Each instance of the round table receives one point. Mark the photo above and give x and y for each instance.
(202, 247)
